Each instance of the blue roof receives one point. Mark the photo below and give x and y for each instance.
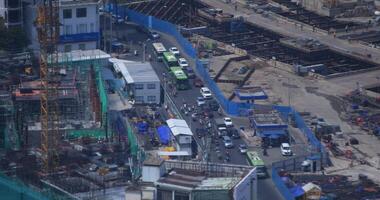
(164, 134)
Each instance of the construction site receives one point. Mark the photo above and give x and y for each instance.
(69, 132)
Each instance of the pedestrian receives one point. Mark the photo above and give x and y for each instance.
(236, 6)
(313, 28)
(346, 28)
(334, 34)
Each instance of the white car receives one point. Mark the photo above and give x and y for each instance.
(206, 93)
(200, 101)
(243, 148)
(174, 51)
(228, 121)
(183, 63)
(285, 149)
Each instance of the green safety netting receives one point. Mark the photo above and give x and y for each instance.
(93, 133)
(14, 190)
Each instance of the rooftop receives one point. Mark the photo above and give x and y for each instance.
(135, 72)
(152, 160)
(78, 2)
(194, 180)
(79, 55)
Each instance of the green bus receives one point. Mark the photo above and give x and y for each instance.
(255, 160)
(180, 79)
(170, 60)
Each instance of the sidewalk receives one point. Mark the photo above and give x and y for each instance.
(291, 29)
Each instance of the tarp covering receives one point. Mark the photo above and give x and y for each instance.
(297, 191)
(142, 127)
(164, 134)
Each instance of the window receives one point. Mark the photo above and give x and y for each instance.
(151, 98)
(151, 86)
(67, 14)
(139, 98)
(92, 28)
(81, 28)
(67, 48)
(68, 30)
(139, 86)
(81, 12)
(82, 46)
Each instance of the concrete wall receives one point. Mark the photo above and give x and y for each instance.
(91, 21)
(145, 93)
(76, 46)
(30, 14)
(151, 173)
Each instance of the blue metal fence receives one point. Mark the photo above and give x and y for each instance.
(280, 184)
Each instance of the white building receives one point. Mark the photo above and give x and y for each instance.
(79, 19)
(141, 81)
(80, 25)
(11, 12)
(182, 133)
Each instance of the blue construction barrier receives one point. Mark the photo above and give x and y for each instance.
(280, 185)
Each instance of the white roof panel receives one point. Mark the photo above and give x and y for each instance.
(135, 72)
(176, 122)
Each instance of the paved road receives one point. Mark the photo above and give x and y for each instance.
(266, 188)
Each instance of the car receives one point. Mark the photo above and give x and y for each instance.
(198, 82)
(189, 72)
(227, 142)
(154, 35)
(183, 63)
(222, 131)
(228, 122)
(243, 148)
(285, 149)
(213, 105)
(200, 101)
(200, 132)
(206, 93)
(233, 133)
(174, 51)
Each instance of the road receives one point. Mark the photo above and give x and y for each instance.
(266, 187)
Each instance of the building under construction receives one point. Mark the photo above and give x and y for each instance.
(81, 95)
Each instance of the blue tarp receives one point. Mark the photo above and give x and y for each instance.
(142, 127)
(274, 134)
(164, 134)
(297, 191)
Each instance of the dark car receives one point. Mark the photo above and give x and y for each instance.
(198, 82)
(189, 72)
(200, 132)
(233, 133)
(213, 105)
